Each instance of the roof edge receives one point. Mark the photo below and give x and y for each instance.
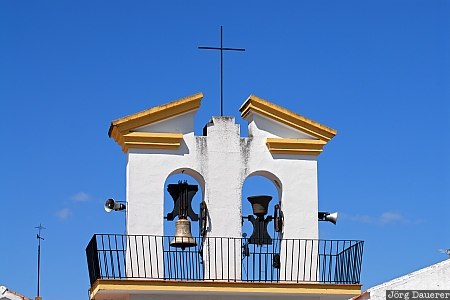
(286, 117)
(119, 128)
(156, 114)
(409, 275)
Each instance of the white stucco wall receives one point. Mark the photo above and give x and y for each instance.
(435, 277)
(297, 176)
(265, 127)
(221, 161)
(181, 124)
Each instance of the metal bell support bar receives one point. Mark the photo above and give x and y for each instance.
(182, 195)
(260, 205)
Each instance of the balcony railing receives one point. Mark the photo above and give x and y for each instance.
(114, 256)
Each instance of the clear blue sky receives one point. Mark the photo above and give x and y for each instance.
(377, 71)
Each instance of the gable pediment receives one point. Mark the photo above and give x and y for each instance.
(286, 132)
(144, 130)
(162, 127)
(259, 106)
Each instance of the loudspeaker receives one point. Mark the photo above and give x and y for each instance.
(111, 205)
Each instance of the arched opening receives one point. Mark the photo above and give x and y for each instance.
(192, 178)
(184, 190)
(260, 236)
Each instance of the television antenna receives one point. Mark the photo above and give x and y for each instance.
(39, 238)
(446, 251)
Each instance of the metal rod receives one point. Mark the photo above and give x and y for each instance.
(157, 256)
(39, 265)
(221, 72)
(299, 242)
(150, 255)
(137, 256)
(39, 238)
(143, 255)
(117, 256)
(221, 256)
(111, 257)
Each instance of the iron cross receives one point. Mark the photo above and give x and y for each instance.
(221, 48)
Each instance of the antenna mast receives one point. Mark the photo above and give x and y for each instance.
(39, 238)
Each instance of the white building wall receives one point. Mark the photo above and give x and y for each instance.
(265, 127)
(297, 176)
(435, 277)
(222, 161)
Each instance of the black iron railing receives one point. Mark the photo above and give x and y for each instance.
(114, 256)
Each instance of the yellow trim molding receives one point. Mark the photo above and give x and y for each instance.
(103, 286)
(150, 140)
(286, 117)
(295, 146)
(121, 129)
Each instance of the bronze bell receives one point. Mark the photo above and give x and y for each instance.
(260, 204)
(183, 236)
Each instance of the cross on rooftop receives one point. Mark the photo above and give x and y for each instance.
(221, 48)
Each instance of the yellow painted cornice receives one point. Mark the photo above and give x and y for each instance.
(150, 286)
(286, 117)
(295, 146)
(150, 140)
(121, 129)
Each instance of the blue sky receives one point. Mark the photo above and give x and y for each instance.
(377, 71)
